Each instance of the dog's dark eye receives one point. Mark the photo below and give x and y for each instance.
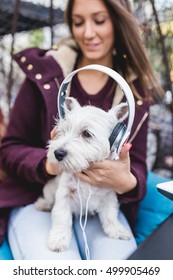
(86, 134)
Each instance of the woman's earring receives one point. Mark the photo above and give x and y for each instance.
(114, 52)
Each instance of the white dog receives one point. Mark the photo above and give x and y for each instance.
(82, 138)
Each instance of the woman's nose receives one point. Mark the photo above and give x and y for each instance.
(89, 30)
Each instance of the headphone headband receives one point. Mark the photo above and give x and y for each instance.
(114, 75)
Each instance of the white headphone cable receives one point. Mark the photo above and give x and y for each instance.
(83, 225)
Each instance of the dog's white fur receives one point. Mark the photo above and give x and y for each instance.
(84, 135)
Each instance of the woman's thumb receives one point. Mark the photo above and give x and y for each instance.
(124, 154)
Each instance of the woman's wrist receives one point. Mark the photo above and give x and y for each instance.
(129, 183)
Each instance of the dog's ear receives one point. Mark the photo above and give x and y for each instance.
(120, 111)
(70, 103)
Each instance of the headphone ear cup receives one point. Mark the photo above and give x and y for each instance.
(117, 135)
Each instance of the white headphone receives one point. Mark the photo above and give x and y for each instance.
(121, 132)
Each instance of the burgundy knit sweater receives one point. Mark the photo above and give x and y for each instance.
(23, 149)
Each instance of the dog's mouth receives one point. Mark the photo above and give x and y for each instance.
(69, 162)
(67, 167)
(71, 166)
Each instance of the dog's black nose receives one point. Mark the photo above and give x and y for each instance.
(60, 154)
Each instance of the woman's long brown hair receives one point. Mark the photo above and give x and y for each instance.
(130, 50)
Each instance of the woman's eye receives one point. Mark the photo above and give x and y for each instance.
(100, 21)
(77, 24)
(86, 134)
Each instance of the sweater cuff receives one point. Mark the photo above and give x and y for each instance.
(42, 171)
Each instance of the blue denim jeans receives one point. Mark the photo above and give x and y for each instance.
(28, 232)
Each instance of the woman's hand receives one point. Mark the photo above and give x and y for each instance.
(52, 168)
(113, 174)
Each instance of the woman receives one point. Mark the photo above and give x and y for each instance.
(106, 33)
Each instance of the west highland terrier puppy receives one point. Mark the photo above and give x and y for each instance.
(82, 138)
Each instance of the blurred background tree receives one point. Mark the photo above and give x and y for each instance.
(156, 22)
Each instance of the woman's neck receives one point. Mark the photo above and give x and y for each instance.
(107, 61)
(91, 80)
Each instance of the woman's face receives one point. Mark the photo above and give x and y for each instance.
(93, 29)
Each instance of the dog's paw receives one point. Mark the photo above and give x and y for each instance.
(42, 204)
(117, 231)
(58, 241)
(123, 233)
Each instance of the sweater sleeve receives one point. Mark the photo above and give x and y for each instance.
(23, 149)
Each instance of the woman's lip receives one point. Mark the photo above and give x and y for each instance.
(92, 46)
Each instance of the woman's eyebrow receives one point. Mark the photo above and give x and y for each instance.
(96, 13)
